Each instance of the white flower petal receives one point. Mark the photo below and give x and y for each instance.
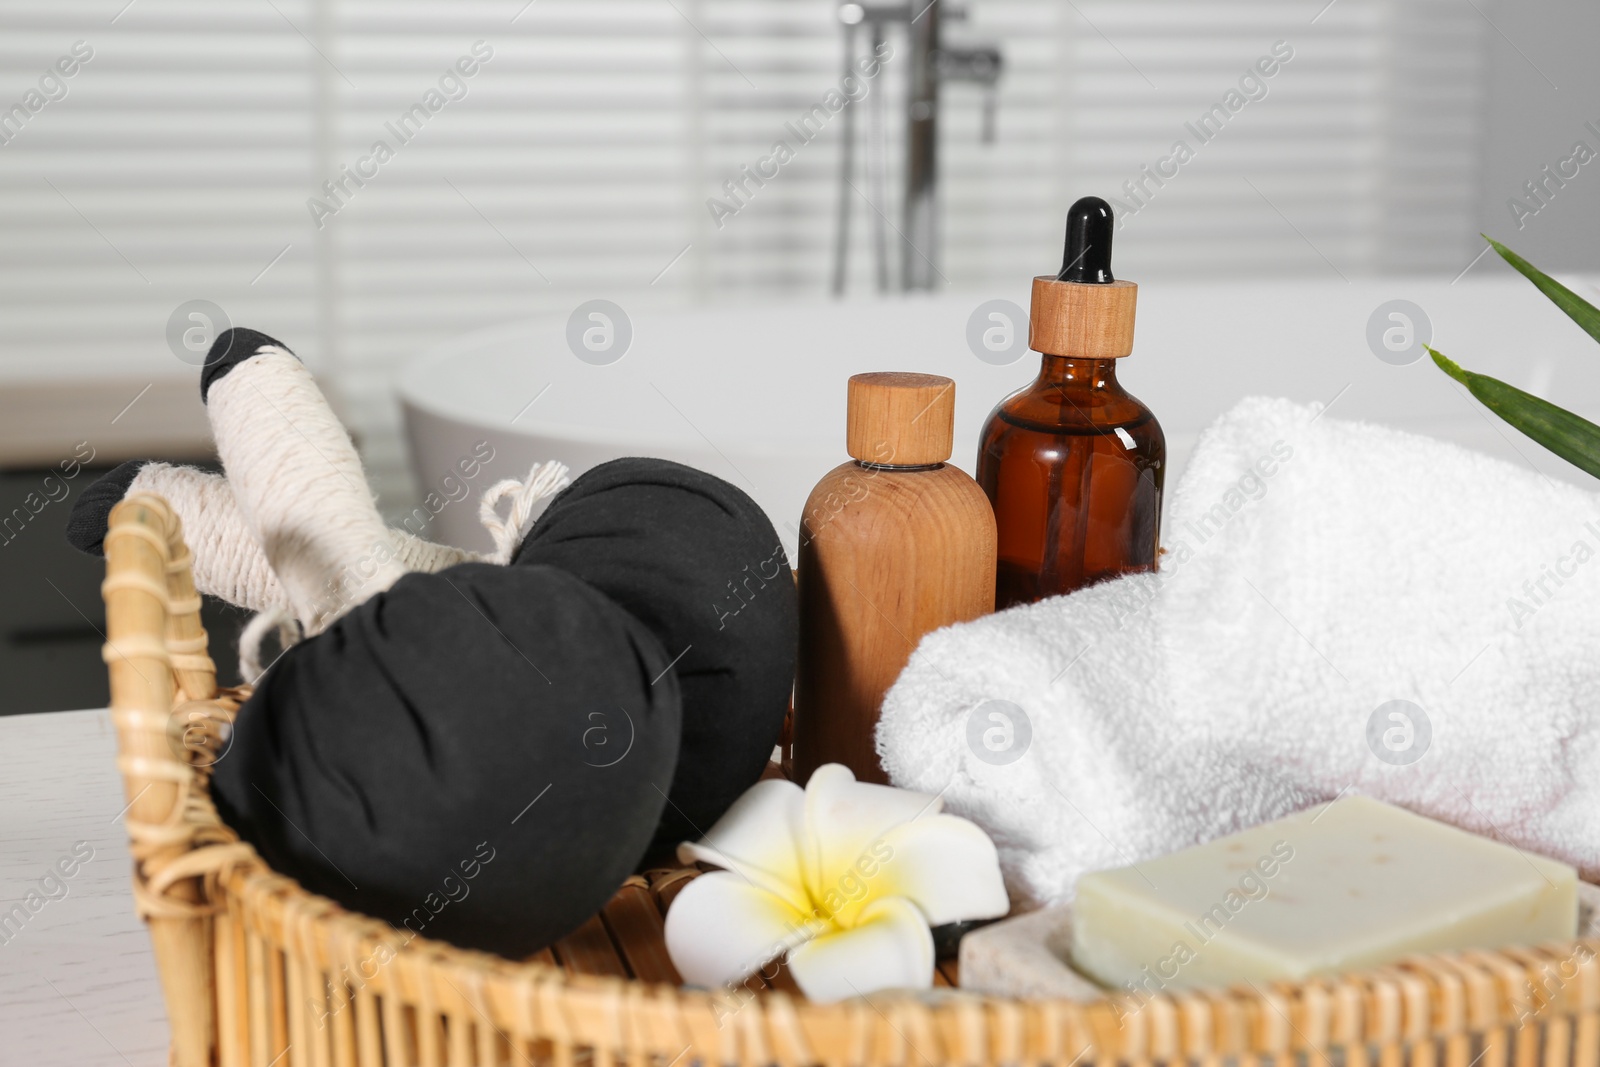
(759, 838)
(843, 818)
(721, 928)
(945, 865)
(890, 948)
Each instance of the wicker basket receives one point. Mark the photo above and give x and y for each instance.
(257, 971)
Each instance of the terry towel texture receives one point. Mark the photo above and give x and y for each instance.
(1315, 570)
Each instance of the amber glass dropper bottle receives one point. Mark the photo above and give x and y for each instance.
(1073, 463)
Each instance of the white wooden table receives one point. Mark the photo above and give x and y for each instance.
(78, 985)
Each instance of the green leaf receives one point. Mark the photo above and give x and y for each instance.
(1577, 308)
(1574, 439)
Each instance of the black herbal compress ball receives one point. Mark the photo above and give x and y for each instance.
(483, 755)
(697, 561)
(432, 759)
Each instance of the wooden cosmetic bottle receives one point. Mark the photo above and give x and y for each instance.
(1072, 463)
(893, 544)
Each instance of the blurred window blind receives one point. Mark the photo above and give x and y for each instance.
(172, 164)
(578, 157)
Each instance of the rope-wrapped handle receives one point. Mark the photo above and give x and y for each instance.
(155, 653)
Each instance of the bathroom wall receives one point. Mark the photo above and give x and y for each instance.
(185, 160)
(1543, 96)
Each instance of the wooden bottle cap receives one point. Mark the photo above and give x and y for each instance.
(1082, 320)
(900, 419)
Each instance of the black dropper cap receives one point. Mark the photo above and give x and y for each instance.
(1088, 254)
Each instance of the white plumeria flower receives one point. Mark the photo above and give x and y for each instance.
(845, 877)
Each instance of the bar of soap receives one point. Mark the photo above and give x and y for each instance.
(1343, 886)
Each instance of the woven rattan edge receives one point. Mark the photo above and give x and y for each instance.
(1418, 999)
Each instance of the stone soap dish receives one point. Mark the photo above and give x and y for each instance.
(1030, 955)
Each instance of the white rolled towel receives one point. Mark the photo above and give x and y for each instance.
(1316, 570)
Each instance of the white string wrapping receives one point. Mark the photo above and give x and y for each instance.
(226, 560)
(300, 487)
(228, 563)
(256, 630)
(544, 480)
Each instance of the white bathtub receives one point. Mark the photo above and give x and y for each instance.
(756, 395)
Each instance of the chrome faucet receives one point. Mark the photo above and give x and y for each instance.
(931, 63)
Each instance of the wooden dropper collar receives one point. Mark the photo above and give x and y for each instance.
(1083, 312)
